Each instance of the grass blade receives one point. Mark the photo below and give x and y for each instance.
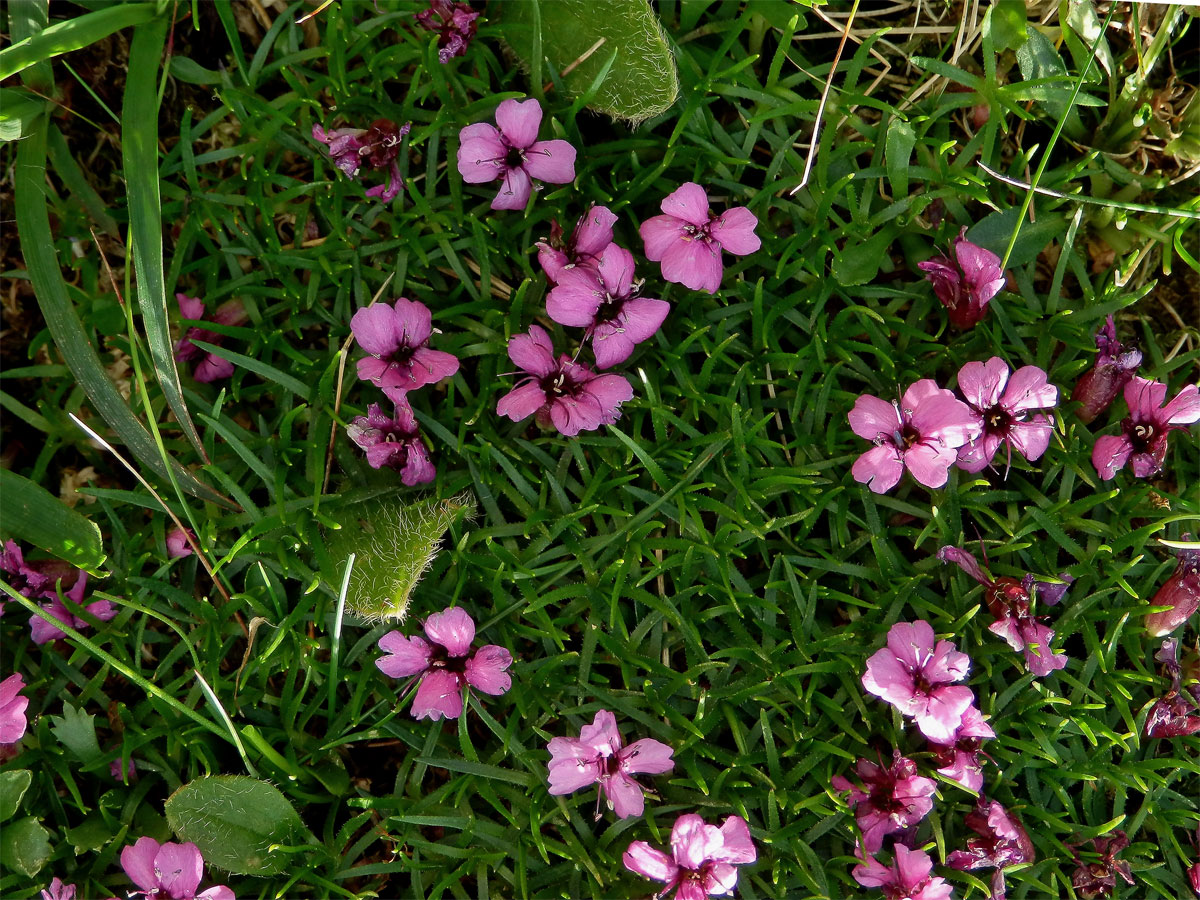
(32, 513)
(71, 34)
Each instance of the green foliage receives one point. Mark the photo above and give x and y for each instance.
(31, 513)
(76, 730)
(13, 785)
(25, 846)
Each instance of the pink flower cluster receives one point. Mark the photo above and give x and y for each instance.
(45, 580)
(455, 27)
(210, 366)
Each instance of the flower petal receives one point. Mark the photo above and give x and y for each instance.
(576, 297)
(481, 154)
(179, 868)
(602, 735)
(569, 774)
(594, 231)
(643, 859)
(138, 863)
(487, 670)
(624, 796)
(616, 270)
(439, 694)
(533, 352)
(738, 847)
(734, 229)
(688, 202)
(522, 401)
(1110, 454)
(930, 463)
(453, 629)
(944, 712)
(1184, 409)
(694, 841)
(514, 191)
(694, 264)
(647, 756)
(551, 161)
(519, 121)
(874, 419)
(982, 383)
(879, 468)
(659, 234)
(610, 391)
(1029, 389)
(405, 655)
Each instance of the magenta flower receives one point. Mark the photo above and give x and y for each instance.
(125, 775)
(914, 675)
(1180, 593)
(1002, 842)
(702, 858)
(177, 542)
(907, 878)
(605, 300)
(1144, 432)
(58, 891)
(455, 26)
(211, 367)
(958, 757)
(689, 238)
(1178, 712)
(42, 631)
(168, 871)
(599, 756)
(563, 393)
(966, 284)
(894, 798)
(41, 578)
(393, 442)
(12, 709)
(396, 338)
(445, 665)
(513, 153)
(593, 232)
(921, 433)
(377, 147)
(1098, 387)
(1098, 879)
(1001, 409)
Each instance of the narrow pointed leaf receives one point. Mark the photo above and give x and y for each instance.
(71, 34)
(31, 513)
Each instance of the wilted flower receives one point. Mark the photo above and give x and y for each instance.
(168, 871)
(514, 154)
(907, 878)
(1002, 842)
(211, 367)
(1178, 712)
(702, 858)
(1097, 879)
(563, 393)
(445, 664)
(1180, 593)
(593, 232)
(12, 709)
(377, 147)
(958, 758)
(605, 300)
(58, 891)
(914, 675)
(396, 337)
(921, 433)
(393, 442)
(599, 756)
(456, 27)
(1144, 432)
(890, 800)
(966, 284)
(1001, 408)
(689, 238)
(40, 578)
(177, 542)
(1098, 387)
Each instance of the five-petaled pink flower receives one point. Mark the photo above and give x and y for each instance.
(393, 442)
(593, 232)
(1144, 432)
(958, 757)
(921, 433)
(606, 301)
(456, 27)
(689, 238)
(445, 664)
(1180, 593)
(562, 392)
(915, 676)
(1001, 408)
(168, 871)
(966, 284)
(1098, 387)
(211, 367)
(377, 147)
(895, 798)
(514, 154)
(1002, 842)
(12, 709)
(702, 858)
(179, 542)
(907, 878)
(396, 338)
(599, 756)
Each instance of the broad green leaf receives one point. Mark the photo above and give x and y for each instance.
(897, 153)
(1039, 59)
(994, 229)
(18, 109)
(859, 261)
(71, 34)
(139, 151)
(25, 846)
(235, 820)
(394, 544)
(76, 730)
(641, 80)
(90, 834)
(31, 513)
(13, 785)
(1008, 20)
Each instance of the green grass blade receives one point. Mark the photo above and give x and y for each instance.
(31, 513)
(72, 34)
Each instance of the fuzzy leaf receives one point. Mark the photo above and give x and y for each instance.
(13, 785)
(33, 514)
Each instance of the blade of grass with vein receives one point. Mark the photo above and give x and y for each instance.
(71, 34)
(32, 513)
(139, 151)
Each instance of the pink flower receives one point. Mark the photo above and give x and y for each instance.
(446, 666)
(563, 393)
(905, 879)
(966, 284)
(456, 27)
(1180, 593)
(593, 232)
(689, 238)
(1144, 432)
(895, 798)
(599, 756)
(126, 775)
(168, 871)
(393, 442)
(1178, 712)
(43, 632)
(377, 146)
(513, 153)
(58, 891)
(211, 367)
(702, 858)
(605, 300)
(1000, 407)
(12, 709)
(177, 542)
(396, 338)
(914, 676)
(921, 433)
(41, 578)
(959, 756)
(1002, 842)
(1098, 387)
